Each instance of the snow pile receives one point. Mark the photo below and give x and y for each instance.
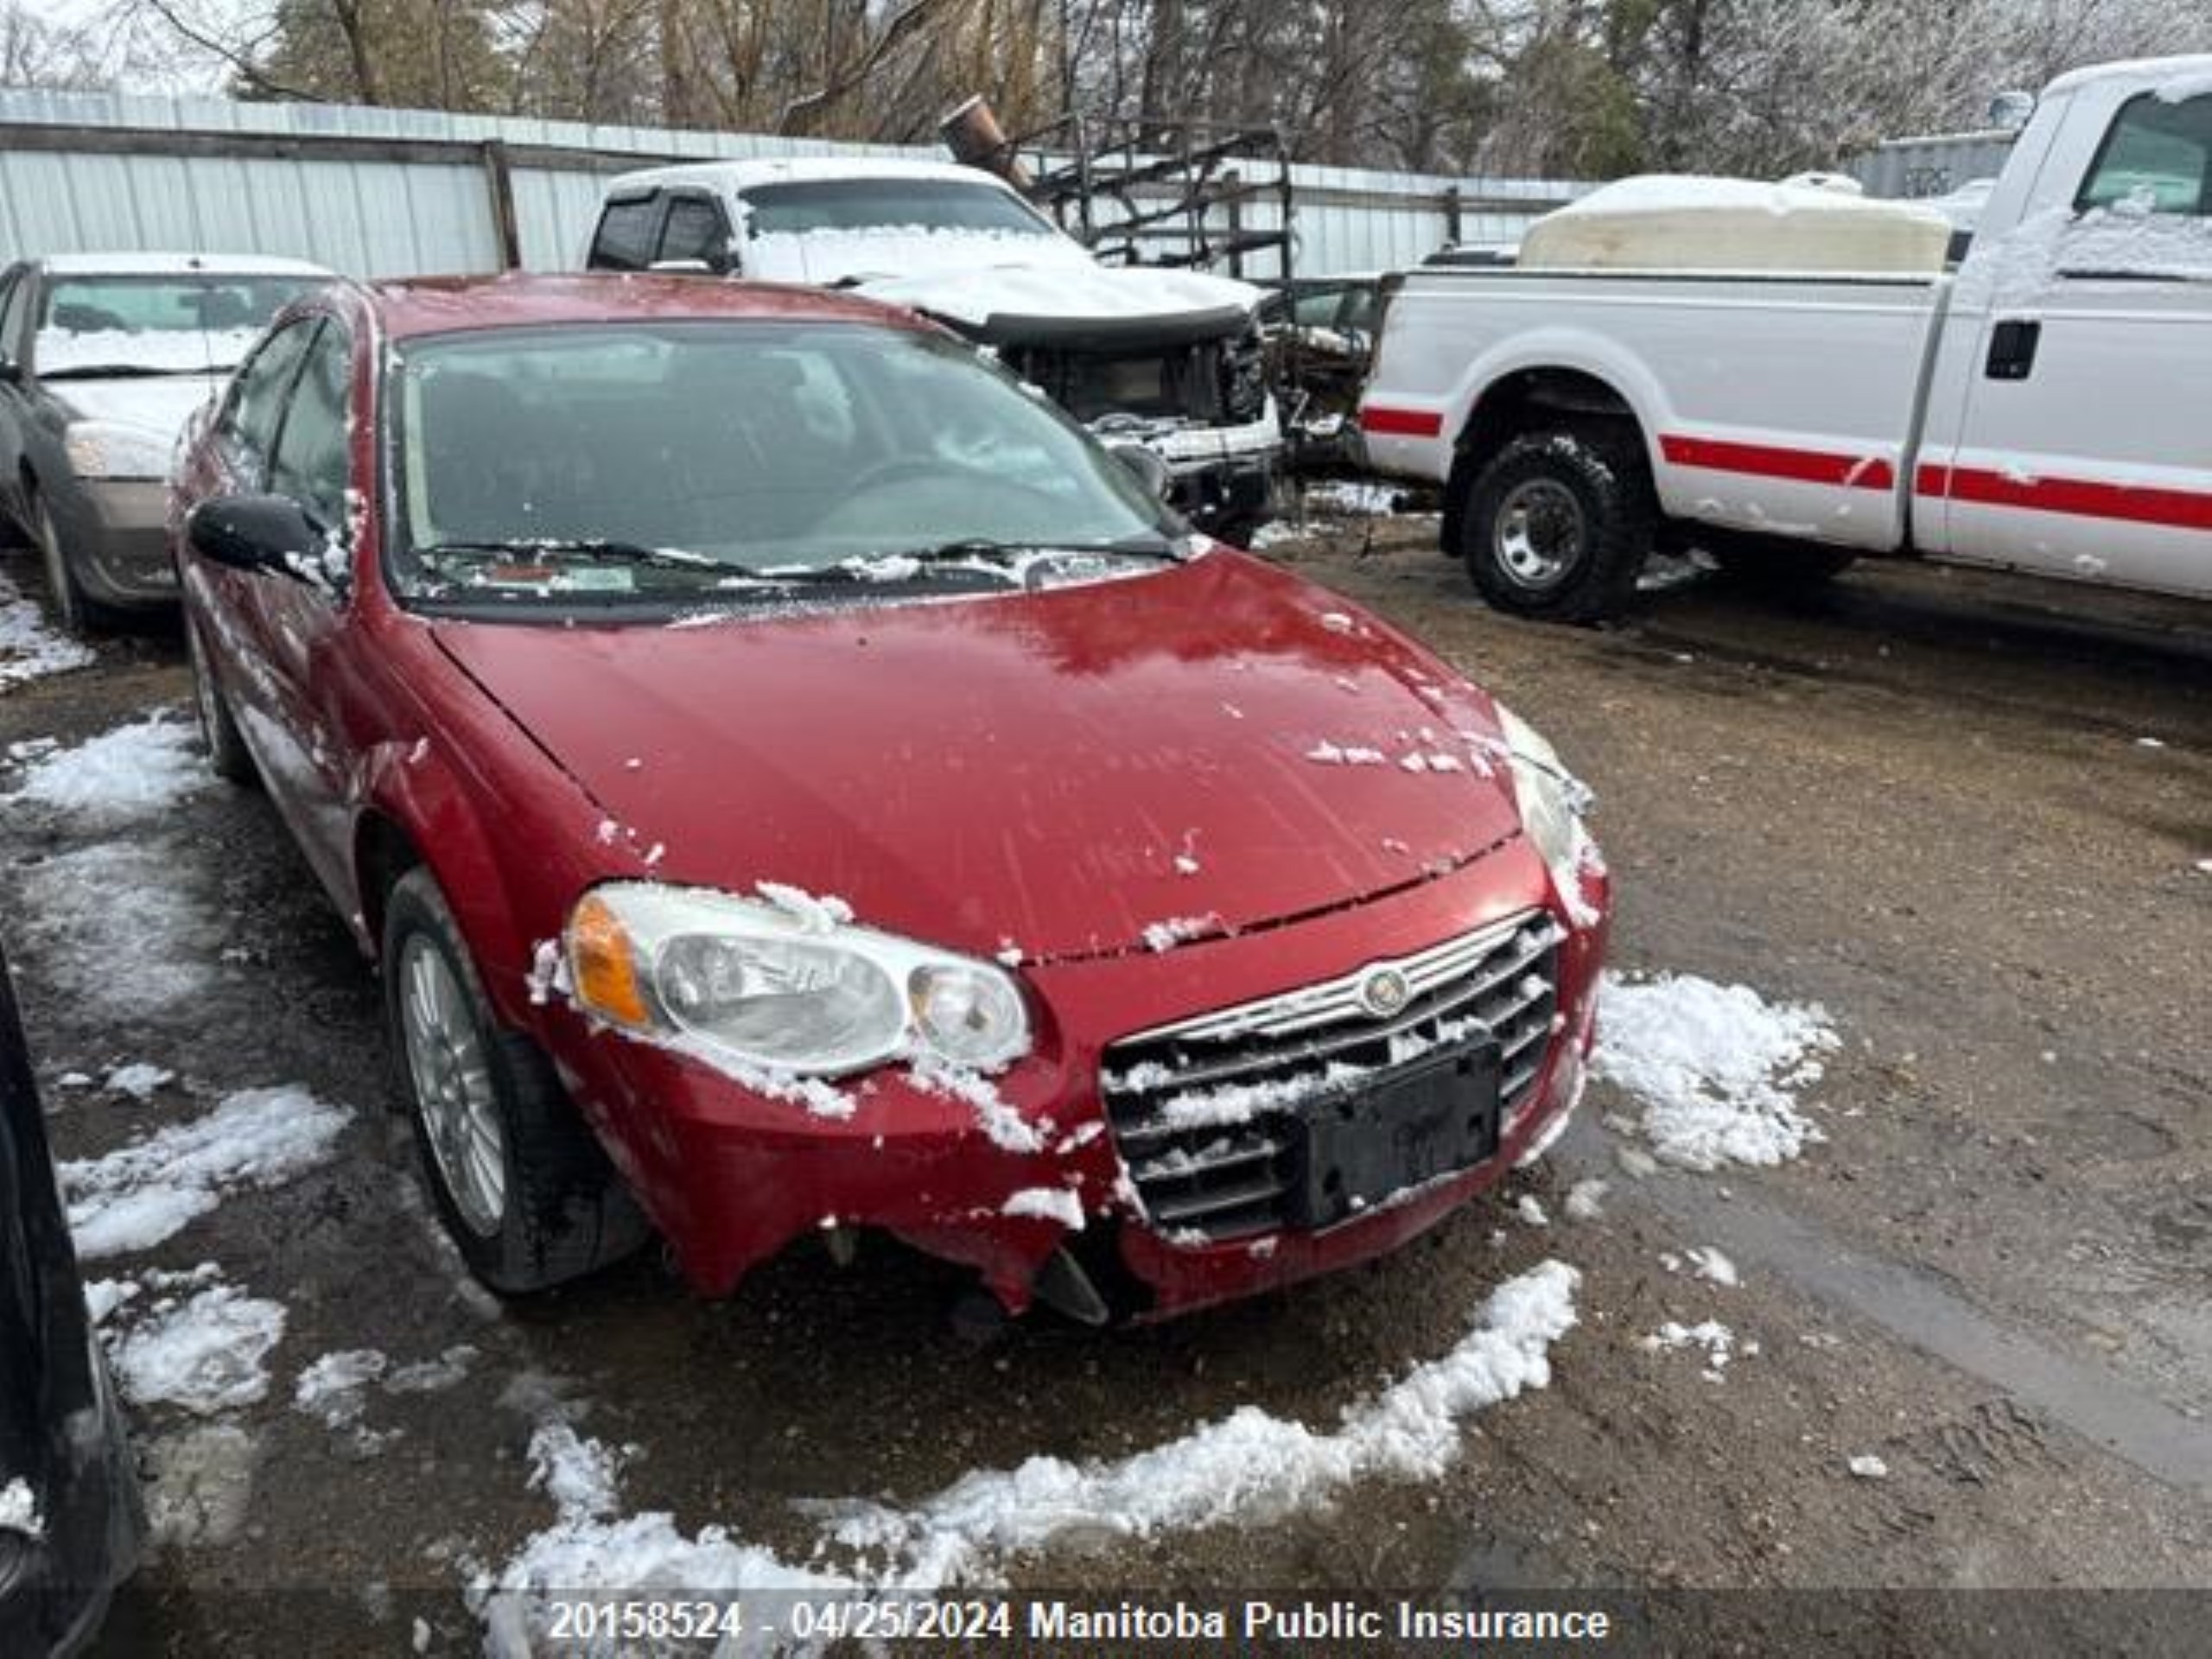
(1718, 1341)
(1708, 1261)
(139, 1080)
(29, 649)
(146, 766)
(19, 1509)
(1586, 1200)
(134, 1198)
(204, 1354)
(1248, 1466)
(1716, 1068)
(334, 1389)
(117, 927)
(589, 1548)
(1867, 1467)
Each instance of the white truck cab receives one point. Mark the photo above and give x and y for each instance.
(1168, 359)
(2045, 408)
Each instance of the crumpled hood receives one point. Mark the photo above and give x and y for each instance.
(966, 280)
(162, 405)
(1209, 747)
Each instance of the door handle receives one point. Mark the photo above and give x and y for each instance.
(2012, 349)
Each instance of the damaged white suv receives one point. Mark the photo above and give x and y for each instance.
(1168, 359)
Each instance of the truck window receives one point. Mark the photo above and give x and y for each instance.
(625, 241)
(2156, 158)
(696, 229)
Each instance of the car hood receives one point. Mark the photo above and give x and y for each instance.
(968, 280)
(162, 405)
(1062, 772)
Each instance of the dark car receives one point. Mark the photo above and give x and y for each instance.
(70, 1520)
(103, 358)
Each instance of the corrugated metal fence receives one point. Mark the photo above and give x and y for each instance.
(1932, 166)
(379, 193)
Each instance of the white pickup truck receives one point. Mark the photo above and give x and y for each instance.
(2045, 407)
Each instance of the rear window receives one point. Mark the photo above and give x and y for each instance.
(2157, 159)
(625, 241)
(833, 205)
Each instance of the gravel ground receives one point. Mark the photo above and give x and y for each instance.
(1924, 800)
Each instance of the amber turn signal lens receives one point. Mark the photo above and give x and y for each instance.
(603, 965)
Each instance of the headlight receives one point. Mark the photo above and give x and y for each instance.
(111, 449)
(1552, 801)
(784, 988)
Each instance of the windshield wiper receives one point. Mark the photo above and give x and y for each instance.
(589, 549)
(983, 548)
(127, 372)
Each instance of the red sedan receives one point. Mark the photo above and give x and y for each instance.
(793, 778)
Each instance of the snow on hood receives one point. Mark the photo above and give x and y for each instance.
(161, 405)
(1089, 291)
(1061, 771)
(966, 278)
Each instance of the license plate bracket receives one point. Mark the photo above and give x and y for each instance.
(1359, 1146)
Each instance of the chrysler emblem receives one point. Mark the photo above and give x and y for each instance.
(1384, 992)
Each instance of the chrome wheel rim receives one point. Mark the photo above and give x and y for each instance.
(453, 1086)
(1540, 532)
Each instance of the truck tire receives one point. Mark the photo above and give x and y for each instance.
(1781, 567)
(523, 1188)
(1557, 524)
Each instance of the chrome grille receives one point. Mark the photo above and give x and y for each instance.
(1226, 1179)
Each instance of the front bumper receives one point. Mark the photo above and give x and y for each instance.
(732, 1177)
(115, 539)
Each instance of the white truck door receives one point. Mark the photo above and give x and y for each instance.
(2078, 368)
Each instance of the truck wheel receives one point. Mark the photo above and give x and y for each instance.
(524, 1189)
(1780, 566)
(1558, 523)
(227, 752)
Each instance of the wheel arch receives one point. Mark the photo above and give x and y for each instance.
(418, 814)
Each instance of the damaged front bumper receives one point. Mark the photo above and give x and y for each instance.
(1221, 478)
(1037, 1179)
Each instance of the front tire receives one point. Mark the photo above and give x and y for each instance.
(71, 610)
(1558, 523)
(522, 1186)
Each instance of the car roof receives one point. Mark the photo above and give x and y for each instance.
(797, 170)
(437, 305)
(177, 264)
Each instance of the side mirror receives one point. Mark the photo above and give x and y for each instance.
(1149, 469)
(256, 532)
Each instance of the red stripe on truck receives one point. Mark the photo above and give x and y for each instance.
(1402, 423)
(2080, 498)
(1772, 461)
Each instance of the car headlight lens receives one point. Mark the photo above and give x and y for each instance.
(112, 449)
(1552, 801)
(773, 988)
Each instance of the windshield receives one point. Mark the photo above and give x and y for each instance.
(185, 323)
(900, 204)
(683, 457)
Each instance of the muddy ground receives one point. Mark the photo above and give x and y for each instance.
(1922, 800)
